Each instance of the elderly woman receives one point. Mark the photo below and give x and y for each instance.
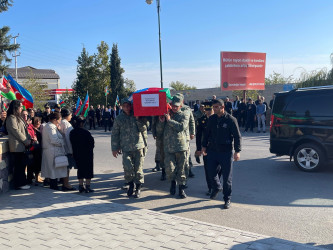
(83, 151)
(19, 140)
(53, 146)
(65, 129)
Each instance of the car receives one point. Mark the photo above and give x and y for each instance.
(302, 126)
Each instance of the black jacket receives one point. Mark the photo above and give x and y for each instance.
(221, 132)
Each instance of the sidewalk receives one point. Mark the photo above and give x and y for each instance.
(42, 219)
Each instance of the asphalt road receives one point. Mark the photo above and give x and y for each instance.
(270, 195)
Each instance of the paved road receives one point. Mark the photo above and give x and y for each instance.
(40, 218)
(270, 195)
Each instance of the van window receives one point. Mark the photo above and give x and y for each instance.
(310, 105)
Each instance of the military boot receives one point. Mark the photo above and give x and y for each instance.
(163, 177)
(182, 194)
(157, 167)
(173, 188)
(138, 190)
(130, 189)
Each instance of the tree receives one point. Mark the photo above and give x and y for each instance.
(116, 75)
(129, 86)
(5, 47)
(69, 99)
(181, 86)
(315, 78)
(86, 78)
(277, 78)
(103, 72)
(38, 90)
(4, 4)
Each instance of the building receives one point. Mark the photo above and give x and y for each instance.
(47, 77)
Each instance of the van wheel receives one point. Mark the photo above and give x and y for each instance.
(308, 157)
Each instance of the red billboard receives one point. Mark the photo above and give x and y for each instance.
(243, 70)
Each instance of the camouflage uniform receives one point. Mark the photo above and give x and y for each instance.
(176, 146)
(189, 131)
(130, 135)
(157, 130)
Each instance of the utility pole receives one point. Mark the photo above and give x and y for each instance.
(15, 55)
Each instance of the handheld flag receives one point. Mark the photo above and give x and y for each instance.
(85, 108)
(117, 101)
(78, 106)
(106, 91)
(62, 103)
(4, 106)
(21, 93)
(10, 95)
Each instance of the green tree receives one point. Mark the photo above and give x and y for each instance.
(277, 78)
(4, 4)
(103, 72)
(116, 75)
(5, 48)
(86, 77)
(69, 99)
(181, 86)
(315, 78)
(38, 90)
(129, 86)
(248, 94)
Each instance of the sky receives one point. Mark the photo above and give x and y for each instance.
(295, 35)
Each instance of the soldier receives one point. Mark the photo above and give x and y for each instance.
(222, 130)
(175, 145)
(190, 132)
(199, 113)
(157, 129)
(128, 137)
(201, 125)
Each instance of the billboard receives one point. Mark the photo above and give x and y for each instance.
(243, 70)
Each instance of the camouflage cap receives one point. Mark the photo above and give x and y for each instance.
(177, 100)
(180, 95)
(125, 100)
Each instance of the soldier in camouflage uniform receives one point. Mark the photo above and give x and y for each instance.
(190, 133)
(199, 113)
(129, 135)
(157, 129)
(175, 145)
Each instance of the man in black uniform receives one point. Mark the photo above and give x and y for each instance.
(98, 115)
(91, 117)
(228, 106)
(201, 125)
(222, 130)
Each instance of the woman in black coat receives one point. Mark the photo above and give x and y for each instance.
(83, 152)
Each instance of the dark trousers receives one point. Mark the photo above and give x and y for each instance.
(98, 118)
(250, 122)
(92, 122)
(220, 161)
(107, 123)
(208, 181)
(19, 163)
(34, 168)
(242, 119)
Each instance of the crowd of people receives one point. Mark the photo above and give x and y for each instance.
(38, 140)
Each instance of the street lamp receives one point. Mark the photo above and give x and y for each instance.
(159, 35)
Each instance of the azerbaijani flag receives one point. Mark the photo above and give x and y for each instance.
(4, 106)
(61, 103)
(117, 101)
(106, 91)
(78, 106)
(85, 108)
(10, 95)
(21, 93)
(166, 90)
